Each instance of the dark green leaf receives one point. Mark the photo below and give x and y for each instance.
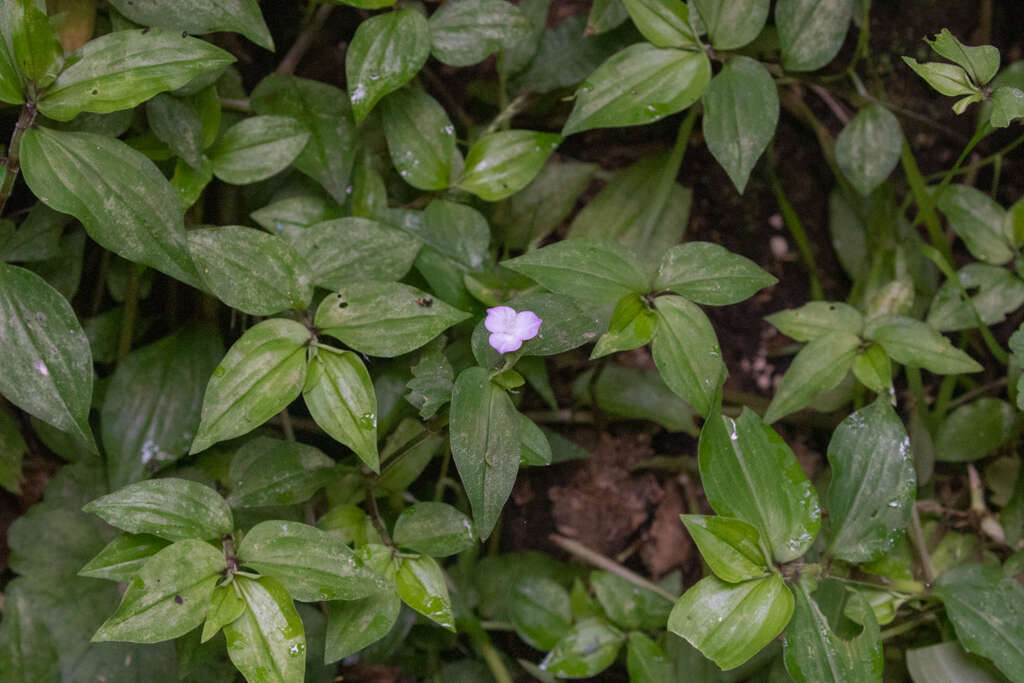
(686, 352)
(465, 32)
(261, 374)
(459, 232)
(355, 249)
(434, 529)
(947, 663)
(340, 397)
(10, 83)
(539, 608)
(173, 509)
(12, 449)
(267, 643)
(176, 122)
(568, 52)
(664, 23)
(978, 220)
(431, 385)
(200, 16)
(873, 483)
(500, 164)
(38, 236)
(532, 214)
(733, 23)
(421, 585)
(731, 547)
(820, 366)
(640, 395)
(868, 148)
(811, 31)
(628, 606)
(385, 54)
(975, 430)
(268, 472)
(28, 653)
(646, 662)
(125, 68)
(123, 557)
(257, 148)
(421, 138)
(536, 449)
(354, 624)
(816, 319)
(710, 274)
(913, 342)
(288, 218)
(37, 54)
(589, 648)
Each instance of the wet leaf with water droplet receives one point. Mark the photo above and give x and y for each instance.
(340, 397)
(386, 53)
(268, 642)
(421, 585)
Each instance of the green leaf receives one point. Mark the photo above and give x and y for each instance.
(816, 650)
(641, 84)
(261, 374)
(421, 138)
(987, 612)
(591, 271)
(730, 622)
(947, 79)
(465, 32)
(636, 394)
(12, 449)
(290, 217)
(123, 557)
(355, 249)
(632, 325)
(733, 23)
(200, 17)
(38, 236)
(500, 164)
(257, 148)
(710, 274)
(868, 148)
(686, 352)
(751, 474)
(311, 564)
(226, 605)
(820, 366)
(741, 110)
(252, 271)
(421, 585)
(152, 403)
(913, 342)
(123, 69)
(1007, 106)
(10, 83)
(993, 292)
(37, 54)
(816, 319)
(539, 608)
(384, 319)
(811, 31)
(873, 483)
(432, 381)
(434, 529)
(354, 624)
(628, 606)
(646, 662)
(177, 124)
(606, 15)
(947, 663)
(168, 597)
(340, 397)
(531, 214)
(385, 54)
(589, 648)
(28, 651)
(978, 220)
(46, 366)
(665, 23)
(267, 643)
(873, 369)
(485, 432)
(974, 430)
(324, 110)
(981, 62)
(267, 472)
(459, 232)
(172, 509)
(731, 547)
(121, 198)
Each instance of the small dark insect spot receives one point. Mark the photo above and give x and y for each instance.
(178, 599)
(425, 302)
(342, 304)
(831, 307)
(184, 34)
(145, 30)
(95, 92)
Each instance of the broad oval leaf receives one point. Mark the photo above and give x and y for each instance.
(177, 123)
(539, 608)
(200, 17)
(913, 342)
(731, 547)
(710, 274)
(28, 651)
(261, 374)
(172, 509)
(421, 138)
(733, 23)
(627, 605)
(252, 271)
(981, 61)
(485, 440)
(458, 231)
(121, 198)
(340, 397)
(686, 352)
(993, 292)
(500, 164)
(741, 110)
(665, 23)
(421, 585)
(46, 366)
(168, 597)
(589, 648)
(465, 32)
(751, 474)
(978, 220)
(641, 84)
(125, 68)
(434, 529)
(820, 366)
(811, 31)
(947, 663)
(355, 249)
(974, 430)
(311, 564)
(816, 319)
(354, 624)
(385, 54)
(873, 483)
(266, 472)
(123, 557)
(533, 213)
(730, 622)
(268, 642)
(868, 148)
(257, 148)
(384, 319)
(646, 661)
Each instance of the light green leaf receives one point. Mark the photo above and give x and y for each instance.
(257, 148)
(978, 220)
(421, 585)
(421, 138)
(485, 432)
(993, 292)
(820, 366)
(340, 397)
(646, 662)
(741, 110)
(123, 557)
(173, 509)
(627, 605)
(226, 605)
(730, 622)
(385, 54)
(1007, 106)
(974, 430)
(947, 79)
(37, 55)
(465, 32)
(733, 23)
(981, 62)
(434, 529)
(873, 369)
(46, 366)
(641, 84)
(252, 271)
(354, 624)
(710, 274)
(811, 31)
(947, 663)
(10, 83)
(539, 608)
(267, 472)
(665, 23)
(261, 374)
(122, 69)
(731, 547)
(355, 249)
(267, 643)
(200, 17)
(589, 648)
(873, 483)
(121, 198)
(168, 597)
(868, 148)
(913, 342)
(500, 164)
(632, 325)
(751, 474)
(816, 319)
(606, 15)
(686, 352)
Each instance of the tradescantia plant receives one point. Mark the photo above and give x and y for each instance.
(192, 237)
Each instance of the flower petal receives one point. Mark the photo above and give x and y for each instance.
(501, 319)
(527, 325)
(504, 343)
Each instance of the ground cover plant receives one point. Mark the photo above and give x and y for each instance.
(465, 341)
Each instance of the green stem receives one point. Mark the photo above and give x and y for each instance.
(369, 481)
(485, 648)
(131, 304)
(981, 163)
(796, 229)
(13, 161)
(921, 547)
(668, 178)
(907, 626)
(598, 560)
(933, 198)
(925, 202)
